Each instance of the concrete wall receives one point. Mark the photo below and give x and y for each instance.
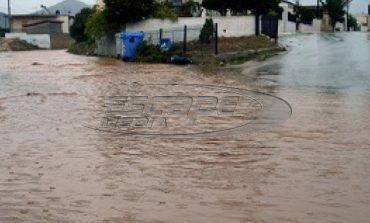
(231, 26)
(235, 26)
(286, 27)
(65, 24)
(314, 28)
(290, 27)
(40, 40)
(48, 28)
(18, 22)
(340, 27)
(61, 41)
(106, 46)
(228, 27)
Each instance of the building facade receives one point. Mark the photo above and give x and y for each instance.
(22, 23)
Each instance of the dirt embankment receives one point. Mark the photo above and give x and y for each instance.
(232, 50)
(15, 45)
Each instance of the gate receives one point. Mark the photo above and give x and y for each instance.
(270, 26)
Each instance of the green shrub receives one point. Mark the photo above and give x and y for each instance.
(165, 11)
(98, 25)
(149, 53)
(77, 29)
(83, 48)
(207, 32)
(187, 8)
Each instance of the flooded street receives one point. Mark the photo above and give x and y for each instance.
(285, 140)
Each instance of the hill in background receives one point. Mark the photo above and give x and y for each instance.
(72, 6)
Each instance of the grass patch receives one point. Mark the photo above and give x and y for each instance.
(260, 56)
(83, 48)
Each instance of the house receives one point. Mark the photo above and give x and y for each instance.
(361, 18)
(40, 24)
(290, 6)
(43, 27)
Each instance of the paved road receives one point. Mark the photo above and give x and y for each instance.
(310, 166)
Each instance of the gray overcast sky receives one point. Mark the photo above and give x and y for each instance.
(27, 6)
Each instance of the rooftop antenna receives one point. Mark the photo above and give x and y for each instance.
(46, 9)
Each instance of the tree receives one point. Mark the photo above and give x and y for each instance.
(306, 15)
(207, 32)
(98, 25)
(77, 29)
(218, 5)
(125, 11)
(336, 10)
(187, 9)
(165, 11)
(352, 23)
(264, 6)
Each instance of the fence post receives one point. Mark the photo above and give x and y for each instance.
(216, 38)
(160, 35)
(185, 38)
(257, 22)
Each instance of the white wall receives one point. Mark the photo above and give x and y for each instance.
(290, 27)
(230, 26)
(65, 24)
(40, 40)
(235, 26)
(316, 23)
(340, 26)
(286, 27)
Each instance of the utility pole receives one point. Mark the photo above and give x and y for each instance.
(318, 10)
(9, 17)
(368, 17)
(348, 15)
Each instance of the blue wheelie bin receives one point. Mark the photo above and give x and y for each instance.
(166, 43)
(130, 40)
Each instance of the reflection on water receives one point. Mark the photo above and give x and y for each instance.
(312, 168)
(329, 61)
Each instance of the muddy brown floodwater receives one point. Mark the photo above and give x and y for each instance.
(63, 159)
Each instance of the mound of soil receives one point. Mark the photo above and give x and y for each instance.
(15, 45)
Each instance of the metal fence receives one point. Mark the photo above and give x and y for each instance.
(177, 35)
(186, 36)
